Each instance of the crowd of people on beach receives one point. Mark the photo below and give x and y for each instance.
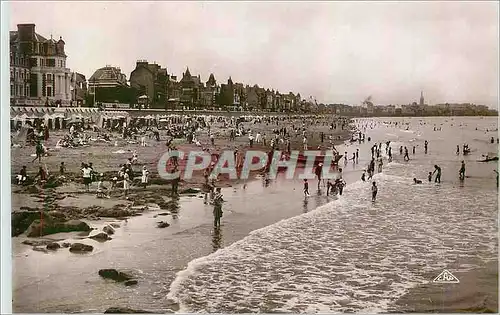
(270, 133)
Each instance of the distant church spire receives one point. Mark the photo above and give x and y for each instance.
(421, 97)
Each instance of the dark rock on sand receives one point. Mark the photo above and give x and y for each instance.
(124, 310)
(66, 245)
(190, 191)
(100, 237)
(24, 208)
(50, 227)
(40, 249)
(57, 215)
(79, 248)
(130, 282)
(37, 242)
(108, 230)
(115, 212)
(53, 246)
(164, 213)
(21, 220)
(114, 274)
(162, 224)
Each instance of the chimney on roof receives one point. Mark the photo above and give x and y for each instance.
(26, 32)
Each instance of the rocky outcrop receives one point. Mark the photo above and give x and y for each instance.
(37, 242)
(130, 282)
(108, 230)
(162, 224)
(101, 237)
(50, 226)
(115, 212)
(114, 274)
(21, 220)
(53, 246)
(190, 191)
(80, 248)
(124, 310)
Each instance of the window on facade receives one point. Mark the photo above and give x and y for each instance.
(49, 77)
(51, 62)
(27, 93)
(49, 91)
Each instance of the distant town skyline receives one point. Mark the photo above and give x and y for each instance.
(335, 52)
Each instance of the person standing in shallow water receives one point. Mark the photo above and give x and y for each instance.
(306, 188)
(437, 170)
(461, 173)
(425, 146)
(406, 156)
(218, 200)
(374, 191)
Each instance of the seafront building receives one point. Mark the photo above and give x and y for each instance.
(38, 72)
(39, 77)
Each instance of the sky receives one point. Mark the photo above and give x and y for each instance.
(337, 52)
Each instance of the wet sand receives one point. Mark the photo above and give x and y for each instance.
(477, 292)
(41, 280)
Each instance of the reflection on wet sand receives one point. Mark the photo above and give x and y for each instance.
(216, 239)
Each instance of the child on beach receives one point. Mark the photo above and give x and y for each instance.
(114, 183)
(145, 176)
(430, 177)
(62, 169)
(86, 174)
(22, 177)
(101, 188)
(126, 184)
(306, 188)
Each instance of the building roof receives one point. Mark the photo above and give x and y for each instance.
(211, 80)
(14, 35)
(108, 73)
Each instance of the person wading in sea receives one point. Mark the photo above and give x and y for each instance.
(374, 191)
(461, 173)
(406, 157)
(437, 170)
(318, 171)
